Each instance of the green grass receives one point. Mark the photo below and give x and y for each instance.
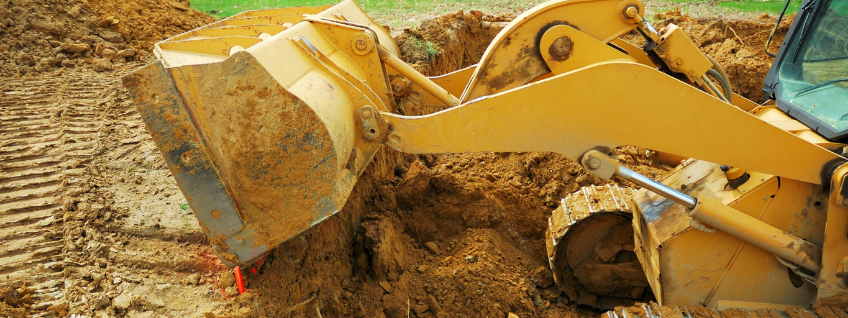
(399, 14)
(426, 46)
(396, 13)
(772, 7)
(714, 7)
(222, 9)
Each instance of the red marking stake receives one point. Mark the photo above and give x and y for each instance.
(239, 280)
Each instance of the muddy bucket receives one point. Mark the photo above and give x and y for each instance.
(257, 129)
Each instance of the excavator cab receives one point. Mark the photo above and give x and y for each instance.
(808, 79)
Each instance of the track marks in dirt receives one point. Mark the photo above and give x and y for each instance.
(130, 246)
(48, 132)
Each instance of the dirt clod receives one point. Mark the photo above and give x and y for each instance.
(432, 247)
(226, 279)
(542, 277)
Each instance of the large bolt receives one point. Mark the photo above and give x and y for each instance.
(361, 45)
(594, 162)
(561, 48)
(397, 87)
(366, 114)
(631, 11)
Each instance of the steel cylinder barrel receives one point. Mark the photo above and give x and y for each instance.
(757, 233)
(735, 223)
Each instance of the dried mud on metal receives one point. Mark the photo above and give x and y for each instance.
(93, 223)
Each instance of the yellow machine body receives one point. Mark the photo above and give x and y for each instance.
(268, 118)
(687, 266)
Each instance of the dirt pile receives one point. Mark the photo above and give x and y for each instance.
(42, 35)
(15, 301)
(450, 42)
(737, 45)
(145, 22)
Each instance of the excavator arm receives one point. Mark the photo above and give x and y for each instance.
(611, 104)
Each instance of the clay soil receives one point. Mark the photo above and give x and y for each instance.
(97, 226)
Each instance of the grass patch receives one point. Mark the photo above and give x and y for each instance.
(396, 13)
(772, 7)
(400, 14)
(225, 8)
(428, 47)
(719, 7)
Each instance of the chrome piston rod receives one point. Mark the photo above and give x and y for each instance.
(656, 187)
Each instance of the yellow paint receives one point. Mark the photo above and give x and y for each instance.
(583, 50)
(611, 105)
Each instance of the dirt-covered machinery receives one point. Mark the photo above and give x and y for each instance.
(267, 119)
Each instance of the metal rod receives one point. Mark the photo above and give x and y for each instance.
(419, 79)
(758, 233)
(656, 187)
(735, 223)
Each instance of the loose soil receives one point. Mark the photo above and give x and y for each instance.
(737, 45)
(43, 35)
(421, 236)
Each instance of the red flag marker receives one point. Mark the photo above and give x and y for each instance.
(239, 280)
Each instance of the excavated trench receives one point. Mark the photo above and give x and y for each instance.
(92, 222)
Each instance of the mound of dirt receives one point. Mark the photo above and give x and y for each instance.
(42, 35)
(738, 45)
(450, 42)
(15, 301)
(145, 22)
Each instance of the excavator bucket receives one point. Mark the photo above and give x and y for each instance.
(258, 125)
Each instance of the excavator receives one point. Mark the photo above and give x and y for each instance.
(267, 119)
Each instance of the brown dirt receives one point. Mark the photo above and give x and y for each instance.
(454, 41)
(420, 236)
(15, 300)
(145, 22)
(43, 35)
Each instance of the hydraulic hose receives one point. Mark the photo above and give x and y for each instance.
(776, 25)
(721, 74)
(728, 93)
(712, 88)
